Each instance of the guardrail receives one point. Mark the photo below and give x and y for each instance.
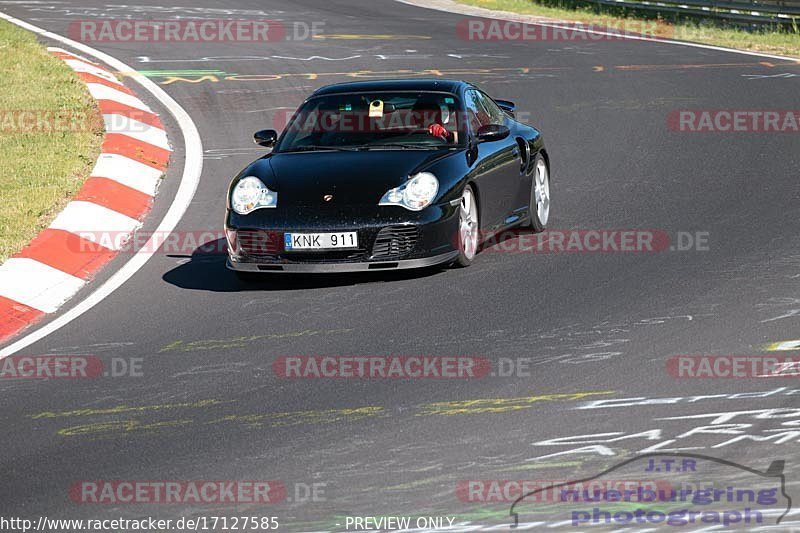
(752, 11)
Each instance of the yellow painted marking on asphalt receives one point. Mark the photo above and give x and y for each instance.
(685, 66)
(275, 420)
(438, 480)
(263, 77)
(179, 79)
(124, 427)
(239, 342)
(291, 418)
(783, 346)
(499, 405)
(542, 466)
(125, 409)
(367, 37)
(168, 80)
(212, 79)
(295, 418)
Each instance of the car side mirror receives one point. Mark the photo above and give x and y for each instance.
(266, 138)
(506, 105)
(492, 132)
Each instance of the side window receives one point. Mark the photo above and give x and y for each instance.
(496, 115)
(476, 112)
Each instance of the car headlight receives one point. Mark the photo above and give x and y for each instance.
(251, 194)
(415, 194)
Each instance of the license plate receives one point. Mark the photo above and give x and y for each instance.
(320, 241)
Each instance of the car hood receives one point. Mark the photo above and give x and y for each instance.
(352, 178)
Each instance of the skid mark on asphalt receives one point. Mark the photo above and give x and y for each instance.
(569, 344)
(222, 368)
(100, 347)
(241, 342)
(545, 465)
(222, 153)
(624, 105)
(783, 75)
(787, 306)
(237, 59)
(369, 37)
(116, 11)
(184, 72)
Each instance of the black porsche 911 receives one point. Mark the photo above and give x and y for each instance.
(388, 174)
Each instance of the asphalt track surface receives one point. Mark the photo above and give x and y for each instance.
(209, 407)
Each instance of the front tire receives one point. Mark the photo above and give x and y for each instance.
(540, 195)
(468, 228)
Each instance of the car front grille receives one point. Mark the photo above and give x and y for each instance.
(394, 241)
(391, 242)
(328, 256)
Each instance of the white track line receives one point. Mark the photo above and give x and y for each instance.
(192, 169)
(454, 8)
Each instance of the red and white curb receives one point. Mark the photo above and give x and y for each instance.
(114, 199)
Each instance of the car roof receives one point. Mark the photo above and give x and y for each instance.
(415, 84)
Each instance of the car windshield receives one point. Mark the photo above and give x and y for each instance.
(375, 121)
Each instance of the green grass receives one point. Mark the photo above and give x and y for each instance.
(40, 170)
(785, 42)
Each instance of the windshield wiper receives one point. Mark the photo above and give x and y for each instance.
(314, 148)
(401, 146)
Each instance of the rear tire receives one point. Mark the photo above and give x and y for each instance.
(468, 228)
